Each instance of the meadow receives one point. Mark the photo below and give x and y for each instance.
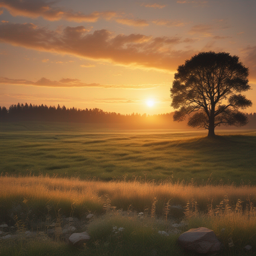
(105, 154)
(145, 181)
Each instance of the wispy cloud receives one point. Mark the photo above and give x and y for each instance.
(169, 23)
(87, 66)
(47, 10)
(70, 82)
(249, 56)
(206, 30)
(198, 2)
(129, 50)
(133, 22)
(155, 6)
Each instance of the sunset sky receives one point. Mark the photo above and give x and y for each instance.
(119, 56)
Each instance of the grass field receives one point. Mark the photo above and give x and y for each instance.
(69, 151)
(50, 171)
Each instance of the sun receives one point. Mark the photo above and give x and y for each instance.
(150, 103)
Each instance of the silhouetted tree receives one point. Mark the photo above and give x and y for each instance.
(209, 84)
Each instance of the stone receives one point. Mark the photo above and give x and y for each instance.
(6, 237)
(176, 225)
(69, 230)
(4, 226)
(248, 247)
(200, 240)
(1, 233)
(79, 238)
(89, 216)
(28, 233)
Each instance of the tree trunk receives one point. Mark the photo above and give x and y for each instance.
(211, 128)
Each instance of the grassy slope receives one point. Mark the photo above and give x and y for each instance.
(69, 151)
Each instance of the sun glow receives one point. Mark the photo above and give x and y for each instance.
(150, 103)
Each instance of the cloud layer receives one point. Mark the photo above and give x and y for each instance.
(46, 9)
(69, 82)
(129, 50)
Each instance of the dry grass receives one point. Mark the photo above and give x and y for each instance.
(90, 196)
(227, 209)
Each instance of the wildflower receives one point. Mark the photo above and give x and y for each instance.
(114, 228)
(121, 229)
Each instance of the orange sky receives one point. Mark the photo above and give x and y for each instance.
(113, 54)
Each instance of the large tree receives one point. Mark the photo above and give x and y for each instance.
(209, 84)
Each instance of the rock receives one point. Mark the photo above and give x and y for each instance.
(89, 216)
(78, 238)
(6, 237)
(1, 233)
(181, 225)
(4, 226)
(69, 230)
(200, 240)
(248, 247)
(28, 233)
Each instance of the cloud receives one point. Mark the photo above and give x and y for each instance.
(128, 50)
(45, 60)
(202, 29)
(133, 22)
(158, 6)
(198, 2)
(249, 57)
(169, 23)
(47, 10)
(87, 66)
(69, 83)
(206, 30)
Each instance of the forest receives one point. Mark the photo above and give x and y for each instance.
(43, 113)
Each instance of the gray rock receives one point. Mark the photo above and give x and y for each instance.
(6, 237)
(28, 233)
(181, 225)
(4, 226)
(200, 240)
(248, 247)
(69, 230)
(89, 216)
(1, 233)
(78, 238)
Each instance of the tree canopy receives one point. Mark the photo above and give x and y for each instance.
(209, 85)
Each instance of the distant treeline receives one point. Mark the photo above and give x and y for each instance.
(43, 113)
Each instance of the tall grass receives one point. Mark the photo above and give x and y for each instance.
(80, 197)
(227, 209)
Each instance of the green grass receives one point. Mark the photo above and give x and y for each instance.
(73, 151)
(161, 157)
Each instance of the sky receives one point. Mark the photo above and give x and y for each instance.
(115, 55)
